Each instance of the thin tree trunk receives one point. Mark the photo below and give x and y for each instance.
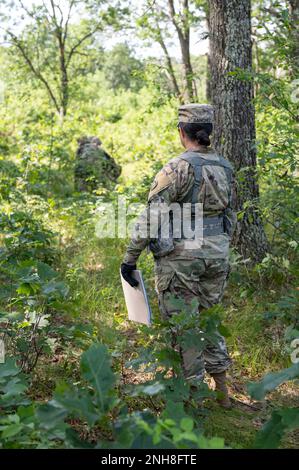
(181, 24)
(209, 65)
(294, 23)
(64, 82)
(256, 63)
(234, 133)
(169, 66)
(20, 46)
(209, 75)
(188, 70)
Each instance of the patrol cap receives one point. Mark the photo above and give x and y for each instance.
(196, 113)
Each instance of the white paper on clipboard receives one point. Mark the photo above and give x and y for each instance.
(137, 303)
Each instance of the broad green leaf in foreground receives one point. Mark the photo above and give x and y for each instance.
(259, 389)
(9, 368)
(272, 432)
(96, 369)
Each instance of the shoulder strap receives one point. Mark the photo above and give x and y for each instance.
(197, 162)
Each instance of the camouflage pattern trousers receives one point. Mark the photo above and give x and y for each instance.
(198, 280)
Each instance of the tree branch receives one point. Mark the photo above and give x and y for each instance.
(54, 13)
(80, 42)
(29, 13)
(36, 72)
(169, 61)
(172, 12)
(68, 20)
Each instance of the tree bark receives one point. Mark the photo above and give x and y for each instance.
(294, 23)
(209, 74)
(209, 65)
(64, 80)
(234, 130)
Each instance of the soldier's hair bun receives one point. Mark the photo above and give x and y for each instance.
(199, 132)
(203, 138)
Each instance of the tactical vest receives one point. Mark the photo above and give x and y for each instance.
(212, 225)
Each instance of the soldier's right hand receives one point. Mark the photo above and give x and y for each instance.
(127, 274)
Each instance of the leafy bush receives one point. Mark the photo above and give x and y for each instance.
(95, 404)
(282, 420)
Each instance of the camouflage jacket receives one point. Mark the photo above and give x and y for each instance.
(172, 184)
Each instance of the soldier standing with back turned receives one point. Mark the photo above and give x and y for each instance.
(199, 175)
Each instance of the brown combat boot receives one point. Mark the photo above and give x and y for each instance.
(220, 382)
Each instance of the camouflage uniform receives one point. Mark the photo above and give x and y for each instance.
(94, 167)
(193, 274)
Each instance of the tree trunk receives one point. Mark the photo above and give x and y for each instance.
(188, 70)
(64, 90)
(234, 133)
(209, 65)
(294, 23)
(209, 75)
(169, 66)
(64, 80)
(182, 26)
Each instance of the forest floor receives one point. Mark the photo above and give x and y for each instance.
(91, 267)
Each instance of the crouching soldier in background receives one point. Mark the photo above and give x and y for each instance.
(94, 167)
(199, 175)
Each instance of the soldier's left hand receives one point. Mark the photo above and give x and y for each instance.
(127, 274)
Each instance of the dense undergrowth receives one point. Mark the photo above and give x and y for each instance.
(65, 296)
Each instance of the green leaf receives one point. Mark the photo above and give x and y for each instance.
(45, 271)
(96, 369)
(224, 331)
(13, 385)
(27, 289)
(174, 411)
(11, 316)
(258, 390)
(50, 415)
(177, 390)
(272, 432)
(26, 413)
(214, 443)
(75, 402)
(9, 368)
(11, 430)
(191, 339)
(55, 288)
(187, 424)
(189, 436)
(13, 388)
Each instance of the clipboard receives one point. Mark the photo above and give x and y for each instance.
(137, 303)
